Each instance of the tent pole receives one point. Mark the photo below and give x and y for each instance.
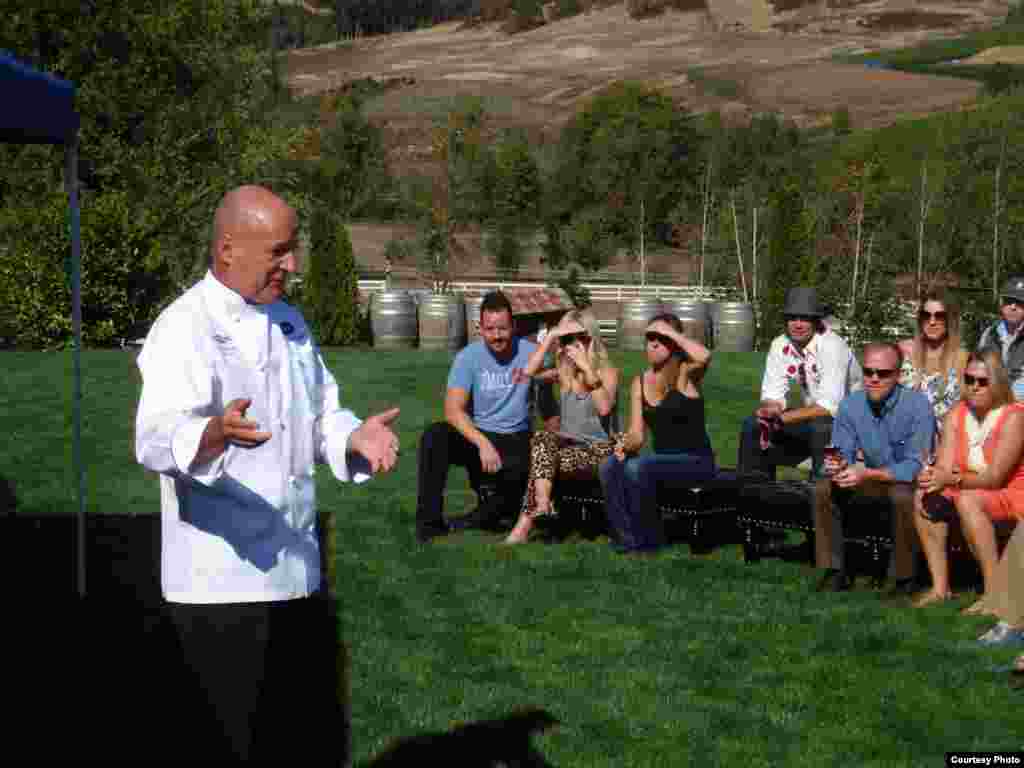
(71, 183)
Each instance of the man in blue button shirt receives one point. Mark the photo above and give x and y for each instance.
(893, 427)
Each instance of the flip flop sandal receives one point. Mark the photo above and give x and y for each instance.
(931, 598)
(977, 608)
(551, 512)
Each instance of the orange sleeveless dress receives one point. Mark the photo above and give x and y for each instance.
(1003, 503)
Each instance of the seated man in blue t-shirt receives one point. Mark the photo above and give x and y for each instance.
(486, 428)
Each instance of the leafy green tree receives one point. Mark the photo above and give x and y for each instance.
(330, 282)
(179, 102)
(120, 294)
(515, 195)
(791, 260)
(630, 148)
(168, 95)
(347, 170)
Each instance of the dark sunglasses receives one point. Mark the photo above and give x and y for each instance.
(1009, 301)
(882, 373)
(981, 381)
(665, 341)
(925, 316)
(571, 338)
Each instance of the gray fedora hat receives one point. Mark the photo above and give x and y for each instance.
(1014, 287)
(803, 301)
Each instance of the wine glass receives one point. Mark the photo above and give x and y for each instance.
(832, 458)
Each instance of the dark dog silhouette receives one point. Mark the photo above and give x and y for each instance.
(499, 743)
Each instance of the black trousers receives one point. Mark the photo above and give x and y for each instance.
(261, 684)
(500, 494)
(790, 446)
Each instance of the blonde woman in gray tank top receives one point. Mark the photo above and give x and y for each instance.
(588, 387)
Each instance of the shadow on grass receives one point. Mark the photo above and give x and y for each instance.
(8, 499)
(503, 741)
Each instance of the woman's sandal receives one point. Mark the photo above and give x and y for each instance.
(513, 538)
(977, 608)
(930, 598)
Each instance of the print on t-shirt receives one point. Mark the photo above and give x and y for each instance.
(499, 391)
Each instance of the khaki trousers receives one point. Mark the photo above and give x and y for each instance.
(832, 504)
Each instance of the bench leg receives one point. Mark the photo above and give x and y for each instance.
(593, 522)
(877, 565)
(751, 547)
(699, 539)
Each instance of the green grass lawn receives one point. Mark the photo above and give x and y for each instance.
(674, 660)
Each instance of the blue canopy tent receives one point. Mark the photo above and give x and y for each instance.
(40, 109)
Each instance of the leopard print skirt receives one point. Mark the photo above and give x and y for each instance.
(551, 455)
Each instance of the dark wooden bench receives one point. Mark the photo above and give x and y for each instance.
(699, 509)
(768, 506)
(787, 505)
(760, 508)
(772, 506)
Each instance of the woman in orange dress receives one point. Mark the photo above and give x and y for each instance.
(979, 469)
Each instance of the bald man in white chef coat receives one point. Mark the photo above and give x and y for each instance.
(237, 408)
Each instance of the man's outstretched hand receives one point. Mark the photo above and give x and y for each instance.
(237, 429)
(230, 428)
(376, 442)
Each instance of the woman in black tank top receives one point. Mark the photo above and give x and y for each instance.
(666, 398)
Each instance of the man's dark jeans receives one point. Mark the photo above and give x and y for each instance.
(790, 446)
(500, 494)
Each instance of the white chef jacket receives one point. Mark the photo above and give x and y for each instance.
(242, 527)
(830, 370)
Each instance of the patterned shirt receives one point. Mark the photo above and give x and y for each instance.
(826, 370)
(931, 386)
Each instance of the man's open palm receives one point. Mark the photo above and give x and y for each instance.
(376, 442)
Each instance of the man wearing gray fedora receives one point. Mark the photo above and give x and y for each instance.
(1005, 334)
(816, 358)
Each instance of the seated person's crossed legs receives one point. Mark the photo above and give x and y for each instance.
(499, 494)
(552, 456)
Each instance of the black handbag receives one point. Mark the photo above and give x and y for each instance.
(938, 508)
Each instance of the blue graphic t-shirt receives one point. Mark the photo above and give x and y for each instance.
(499, 392)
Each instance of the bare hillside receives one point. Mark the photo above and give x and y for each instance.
(739, 56)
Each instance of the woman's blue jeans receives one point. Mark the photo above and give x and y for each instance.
(631, 490)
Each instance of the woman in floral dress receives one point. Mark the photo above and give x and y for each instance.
(933, 360)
